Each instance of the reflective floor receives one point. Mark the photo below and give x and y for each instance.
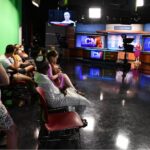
(118, 119)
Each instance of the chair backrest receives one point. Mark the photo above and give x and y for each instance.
(43, 103)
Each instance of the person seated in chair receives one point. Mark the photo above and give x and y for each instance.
(10, 64)
(60, 79)
(27, 65)
(6, 122)
(21, 52)
(55, 98)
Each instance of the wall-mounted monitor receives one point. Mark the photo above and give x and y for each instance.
(89, 41)
(61, 17)
(146, 44)
(115, 41)
(96, 54)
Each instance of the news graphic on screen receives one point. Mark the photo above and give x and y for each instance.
(96, 54)
(146, 44)
(91, 41)
(61, 17)
(115, 41)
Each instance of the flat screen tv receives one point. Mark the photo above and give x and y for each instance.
(96, 54)
(89, 41)
(115, 41)
(146, 44)
(61, 17)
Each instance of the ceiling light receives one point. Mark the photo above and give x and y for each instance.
(95, 13)
(139, 3)
(36, 3)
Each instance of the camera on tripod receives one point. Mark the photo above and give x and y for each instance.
(128, 47)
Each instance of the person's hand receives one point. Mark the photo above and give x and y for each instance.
(59, 74)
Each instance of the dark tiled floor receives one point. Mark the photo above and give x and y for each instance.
(118, 119)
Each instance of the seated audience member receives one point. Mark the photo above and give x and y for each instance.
(9, 63)
(55, 98)
(27, 65)
(21, 52)
(60, 79)
(6, 122)
(38, 51)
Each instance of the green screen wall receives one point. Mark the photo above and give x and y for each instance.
(10, 21)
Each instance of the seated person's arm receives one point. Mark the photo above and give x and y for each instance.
(17, 61)
(8, 66)
(13, 68)
(50, 74)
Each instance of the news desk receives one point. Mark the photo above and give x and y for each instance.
(129, 56)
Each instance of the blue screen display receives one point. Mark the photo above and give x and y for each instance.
(115, 41)
(96, 54)
(93, 41)
(146, 45)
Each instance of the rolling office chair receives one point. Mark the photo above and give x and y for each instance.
(58, 125)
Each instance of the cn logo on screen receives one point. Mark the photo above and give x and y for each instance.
(88, 42)
(96, 54)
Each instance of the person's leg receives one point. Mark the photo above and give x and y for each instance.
(21, 77)
(8, 125)
(67, 81)
(12, 141)
(69, 84)
(74, 99)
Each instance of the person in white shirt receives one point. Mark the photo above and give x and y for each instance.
(9, 63)
(53, 95)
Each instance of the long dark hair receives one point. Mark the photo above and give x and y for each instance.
(52, 53)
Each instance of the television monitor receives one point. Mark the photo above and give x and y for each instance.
(115, 41)
(89, 41)
(61, 17)
(146, 44)
(96, 54)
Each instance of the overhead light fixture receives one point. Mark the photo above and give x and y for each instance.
(139, 3)
(94, 13)
(36, 3)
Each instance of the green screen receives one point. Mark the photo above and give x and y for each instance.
(10, 15)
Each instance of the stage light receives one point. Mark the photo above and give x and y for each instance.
(122, 141)
(139, 3)
(36, 3)
(94, 13)
(91, 123)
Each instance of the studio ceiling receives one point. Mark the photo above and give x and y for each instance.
(113, 11)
